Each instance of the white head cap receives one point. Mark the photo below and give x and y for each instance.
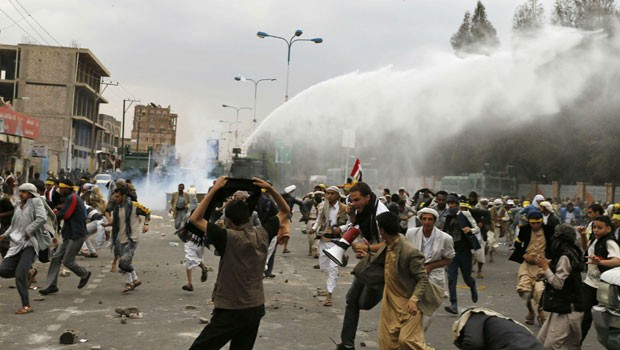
(547, 205)
(428, 211)
(28, 187)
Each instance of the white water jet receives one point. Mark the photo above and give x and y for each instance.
(399, 116)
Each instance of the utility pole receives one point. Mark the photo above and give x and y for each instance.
(123, 126)
(93, 155)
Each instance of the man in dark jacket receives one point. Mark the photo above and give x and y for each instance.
(462, 227)
(363, 212)
(6, 214)
(38, 183)
(73, 213)
(480, 328)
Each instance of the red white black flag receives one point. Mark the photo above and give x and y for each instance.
(356, 172)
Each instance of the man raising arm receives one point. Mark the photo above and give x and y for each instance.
(238, 294)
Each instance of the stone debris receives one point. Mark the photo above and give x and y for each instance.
(126, 311)
(95, 347)
(204, 320)
(64, 273)
(190, 307)
(39, 299)
(69, 337)
(123, 319)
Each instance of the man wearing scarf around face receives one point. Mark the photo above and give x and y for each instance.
(563, 297)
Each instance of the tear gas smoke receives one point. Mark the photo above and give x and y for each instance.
(152, 190)
(400, 115)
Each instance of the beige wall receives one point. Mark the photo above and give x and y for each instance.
(47, 64)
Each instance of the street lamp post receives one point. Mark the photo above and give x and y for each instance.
(244, 79)
(237, 120)
(289, 43)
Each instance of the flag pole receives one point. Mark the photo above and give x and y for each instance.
(346, 166)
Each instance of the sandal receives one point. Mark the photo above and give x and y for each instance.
(529, 319)
(188, 287)
(541, 318)
(24, 310)
(204, 276)
(129, 287)
(328, 302)
(136, 283)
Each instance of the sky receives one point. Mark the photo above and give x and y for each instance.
(186, 53)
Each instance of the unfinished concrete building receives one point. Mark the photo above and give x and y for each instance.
(61, 86)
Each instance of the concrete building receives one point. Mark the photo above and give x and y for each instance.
(154, 126)
(61, 86)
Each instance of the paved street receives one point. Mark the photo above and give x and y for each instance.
(295, 315)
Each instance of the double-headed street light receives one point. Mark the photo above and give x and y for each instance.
(289, 43)
(237, 120)
(244, 79)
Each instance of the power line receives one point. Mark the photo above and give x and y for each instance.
(127, 92)
(11, 25)
(118, 94)
(37, 22)
(20, 27)
(29, 24)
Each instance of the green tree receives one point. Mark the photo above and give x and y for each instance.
(564, 13)
(461, 40)
(585, 14)
(476, 34)
(483, 34)
(528, 17)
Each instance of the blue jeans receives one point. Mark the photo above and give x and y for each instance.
(359, 297)
(462, 260)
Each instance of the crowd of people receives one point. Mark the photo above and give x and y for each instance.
(55, 220)
(415, 244)
(552, 242)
